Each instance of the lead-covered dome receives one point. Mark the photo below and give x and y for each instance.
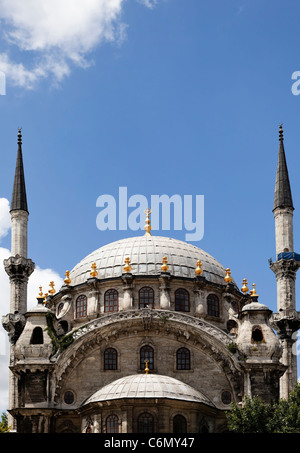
(146, 253)
(148, 386)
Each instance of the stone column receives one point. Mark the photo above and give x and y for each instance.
(127, 291)
(164, 299)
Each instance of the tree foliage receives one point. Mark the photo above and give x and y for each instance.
(257, 417)
(4, 428)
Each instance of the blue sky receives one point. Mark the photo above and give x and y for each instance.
(163, 97)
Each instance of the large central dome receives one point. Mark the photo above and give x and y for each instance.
(146, 253)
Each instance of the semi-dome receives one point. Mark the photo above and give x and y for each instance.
(148, 386)
(146, 253)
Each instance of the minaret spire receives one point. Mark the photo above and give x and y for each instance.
(19, 199)
(283, 194)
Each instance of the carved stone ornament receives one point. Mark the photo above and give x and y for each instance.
(14, 325)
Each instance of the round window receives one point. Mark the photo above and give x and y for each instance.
(69, 397)
(226, 397)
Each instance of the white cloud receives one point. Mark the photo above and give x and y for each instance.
(148, 3)
(56, 34)
(4, 217)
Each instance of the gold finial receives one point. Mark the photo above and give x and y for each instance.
(199, 270)
(245, 288)
(146, 366)
(228, 278)
(127, 268)
(164, 266)
(93, 272)
(52, 290)
(67, 280)
(45, 297)
(147, 226)
(40, 293)
(253, 291)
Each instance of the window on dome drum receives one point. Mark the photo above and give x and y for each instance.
(146, 297)
(213, 308)
(182, 300)
(37, 336)
(112, 424)
(179, 424)
(110, 359)
(183, 359)
(111, 300)
(147, 353)
(81, 306)
(145, 423)
(257, 335)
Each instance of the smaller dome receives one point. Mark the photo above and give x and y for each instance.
(255, 306)
(148, 386)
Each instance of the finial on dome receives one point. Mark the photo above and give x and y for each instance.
(228, 278)
(253, 294)
(147, 226)
(164, 266)
(146, 366)
(93, 272)
(40, 295)
(280, 133)
(245, 288)
(67, 280)
(52, 290)
(127, 267)
(199, 270)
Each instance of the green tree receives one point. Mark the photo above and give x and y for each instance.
(253, 417)
(286, 414)
(4, 428)
(258, 417)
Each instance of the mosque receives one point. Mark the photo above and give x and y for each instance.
(148, 334)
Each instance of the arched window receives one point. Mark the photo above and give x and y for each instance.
(147, 353)
(182, 300)
(112, 424)
(257, 335)
(146, 297)
(110, 359)
(183, 359)
(111, 300)
(145, 423)
(81, 306)
(179, 424)
(213, 308)
(37, 336)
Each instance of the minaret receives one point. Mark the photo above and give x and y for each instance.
(285, 268)
(18, 267)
